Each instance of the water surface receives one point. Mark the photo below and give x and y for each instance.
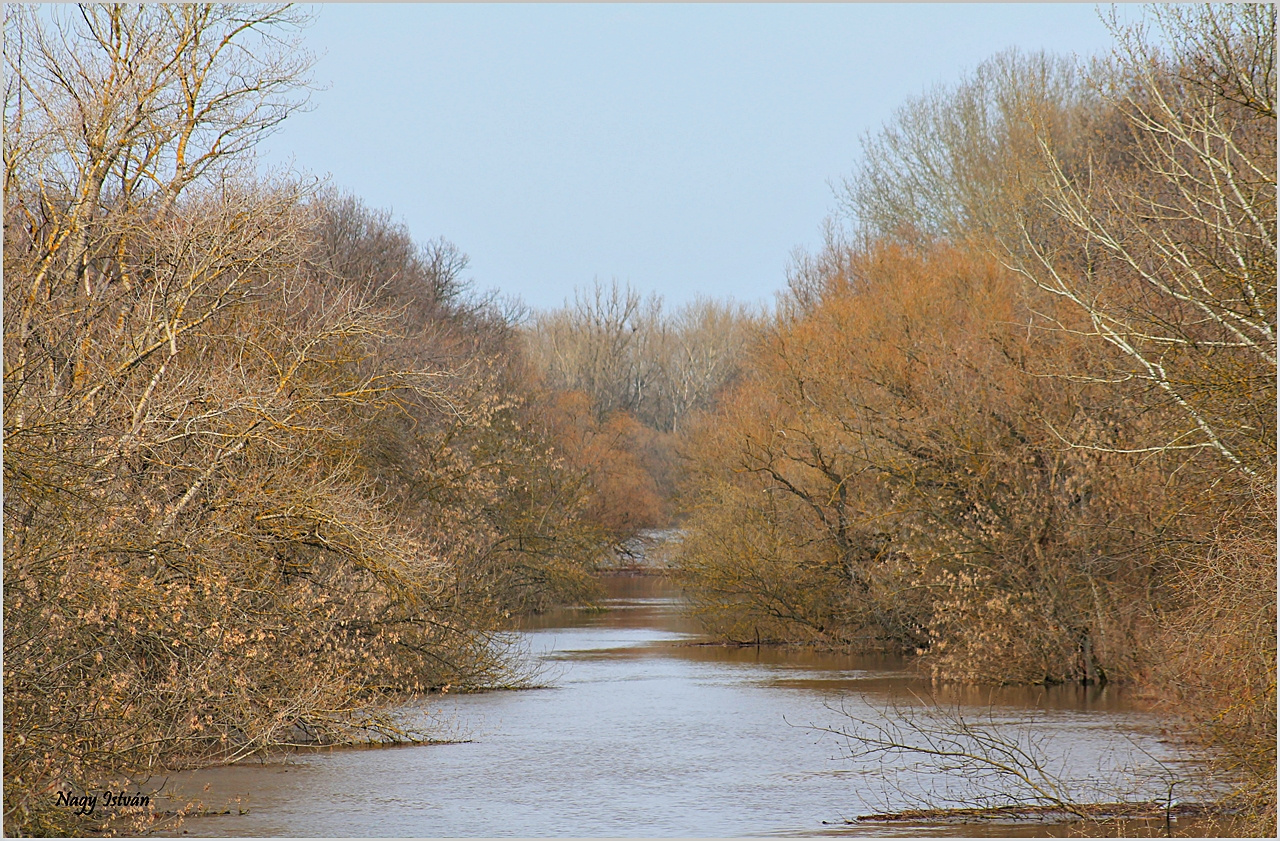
(642, 731)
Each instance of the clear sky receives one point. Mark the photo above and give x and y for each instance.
(686, 149)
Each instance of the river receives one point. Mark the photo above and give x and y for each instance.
(641, 731)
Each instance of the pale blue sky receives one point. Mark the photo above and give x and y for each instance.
(684, 148)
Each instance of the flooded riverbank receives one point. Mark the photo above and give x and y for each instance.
(643, 732)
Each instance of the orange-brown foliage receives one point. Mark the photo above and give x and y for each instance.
(619, 458)
(892, 436)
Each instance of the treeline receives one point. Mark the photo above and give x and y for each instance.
(1017, 419)
(268, 463)
(627, 377)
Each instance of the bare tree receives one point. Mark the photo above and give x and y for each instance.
(626, 354)
(952, 163)
(700, 349)
(601, 345)
(1169, 252)
(112, 113)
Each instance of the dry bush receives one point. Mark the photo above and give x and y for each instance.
(204, 573)
(626, 498)
(1137, 198)
(1214, 661)
(267, 466)
(889, 434)
(620, 377)
(478, 459)
(617, 459)
(753, 575)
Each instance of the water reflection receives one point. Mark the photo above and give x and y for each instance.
(644, 731)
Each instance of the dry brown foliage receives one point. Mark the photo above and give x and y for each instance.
(1022, 417)
(621, 377)
(1214, 660)
(267, 466)
(886, 474)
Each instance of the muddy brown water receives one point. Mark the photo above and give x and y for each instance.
(641, 731)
